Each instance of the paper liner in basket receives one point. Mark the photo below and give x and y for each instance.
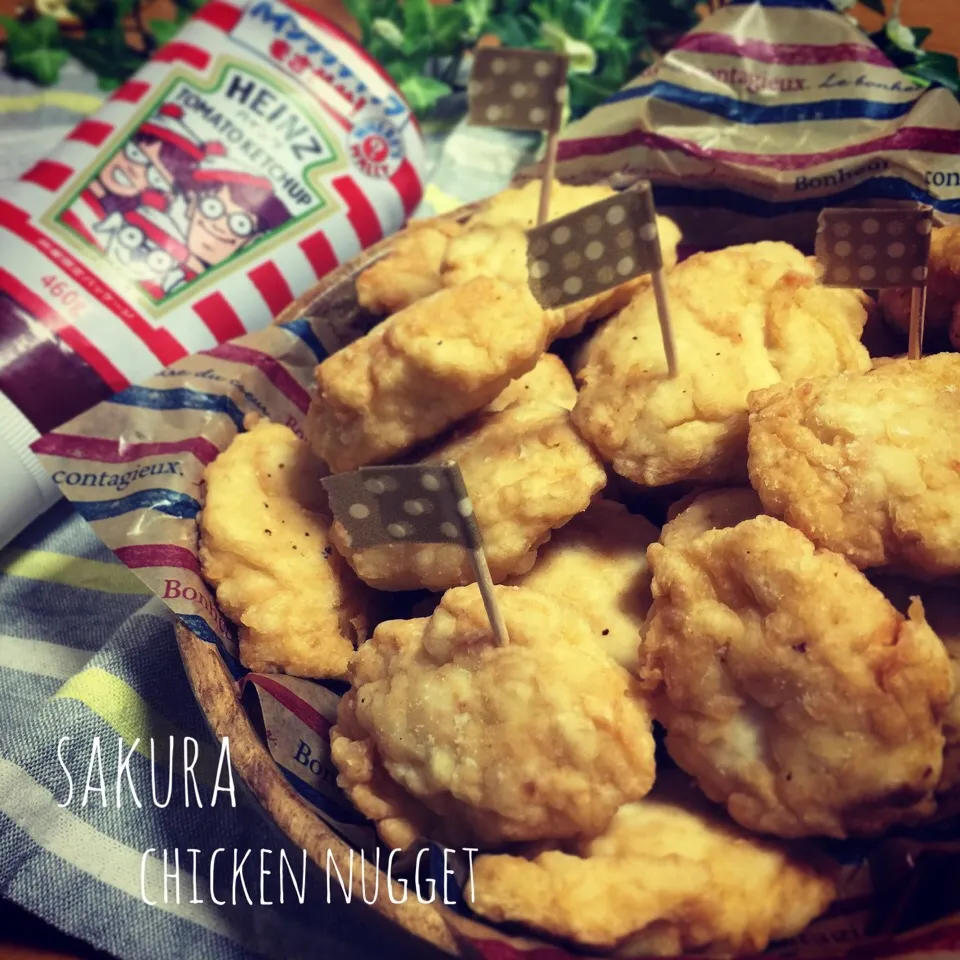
(133, 467)
(765, 112)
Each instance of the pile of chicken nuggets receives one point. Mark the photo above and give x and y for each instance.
(739, 560)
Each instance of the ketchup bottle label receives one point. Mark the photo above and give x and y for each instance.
(256, 151)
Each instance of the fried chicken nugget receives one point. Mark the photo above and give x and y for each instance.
(519, 205)
(528, 472)
(790, 687)
(668, 876)
(501, 251)
(549, 381)
(410, 271)
(598, 563)
(867, 465)
(543, 738)
(943, 286)
(263, 546)
(743, 318)
(941, 604)
(421, 370)
(699, 513)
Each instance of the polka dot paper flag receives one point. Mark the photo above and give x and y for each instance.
(414, 503)
(594, 249)
(874, 248)
(408, 503)
(517, 89)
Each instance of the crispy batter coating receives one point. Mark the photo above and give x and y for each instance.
(670, 875)
(867, 465)
(598, 563)
(699, 513)
(790, 687)
(549, 381)
(943, 285)
(743, 318)
(941, 604)
(501, 252)
(411, 270)
(421, 370)
(519, 205)
(543, 738)
(528, 472)
(263, 545)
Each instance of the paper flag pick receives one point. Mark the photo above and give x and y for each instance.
(597, 248)
(413, 503)
(517, 89)
(875, 248)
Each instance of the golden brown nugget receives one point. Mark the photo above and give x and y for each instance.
(501, 251)
(699, 513)
(867, 465)
(941, 605)
(549, 381)
(598, 564)
(743, 318)
(518, 206)
(528, 472)
(410, 271)
(263, 546)
(943, 286)
(543, 738)
(669, 876)
(421, 370)
(790, 688)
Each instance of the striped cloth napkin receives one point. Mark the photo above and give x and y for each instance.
(85, 654)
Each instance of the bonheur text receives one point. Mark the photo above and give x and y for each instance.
(99, 772)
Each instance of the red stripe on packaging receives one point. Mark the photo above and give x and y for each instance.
(360, 211)
(316, 248)
(219, 317)
(93, 132)
(299, 707)
(70, 335)
(223, 16)
(48, 174)
(77, 225)
(137, 556)
(133, 91)
(161, 343)
(269, 366)
(177, 52)
(104, 450)
(407, 184)
(272, 286)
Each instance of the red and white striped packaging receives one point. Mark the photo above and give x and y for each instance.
(252, 154)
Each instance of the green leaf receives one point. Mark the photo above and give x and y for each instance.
(920, 34)
(387, 31)
(477, 13)
(875, 5)
(24, 36)
(938, 68)
(418, 19)
(582, 57)
(40, 65)
(451, 26)
(423, 92)
(164, 30)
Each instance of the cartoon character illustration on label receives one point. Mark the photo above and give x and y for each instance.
(147, 244)
(228, 206)
(160, 156)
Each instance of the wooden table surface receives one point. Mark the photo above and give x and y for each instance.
(23, 937)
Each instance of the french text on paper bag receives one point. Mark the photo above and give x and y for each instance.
(115, 478)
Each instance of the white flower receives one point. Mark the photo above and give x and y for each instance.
(901, 36)
(388, 30)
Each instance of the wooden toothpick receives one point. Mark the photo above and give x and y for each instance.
(549, 170)
(666, 325)
(918, 308)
